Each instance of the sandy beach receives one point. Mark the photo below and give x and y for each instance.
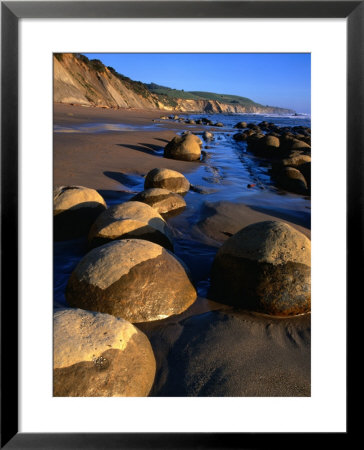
(111, 153)
(211, 349)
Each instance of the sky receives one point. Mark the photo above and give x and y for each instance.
(274, 79)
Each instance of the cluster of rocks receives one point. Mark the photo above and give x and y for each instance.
(288, 148)
(130, 276)
(201, 121)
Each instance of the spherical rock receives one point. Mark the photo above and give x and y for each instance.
(98, 355)
(271, 142)
(240, 137)
(299, 145)
(167, 179)
(264, 267)
(131, 219)
(185, 148)
(296, 159)
(162, 200)
(292, 180)
(241, 125)
(134, 279)
(207, 135)
(75, 208)
(218, 124)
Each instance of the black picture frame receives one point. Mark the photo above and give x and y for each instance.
(11, 12)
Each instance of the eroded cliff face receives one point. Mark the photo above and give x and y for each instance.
(75, 82)
(213, 106)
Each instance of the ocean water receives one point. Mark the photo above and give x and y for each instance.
(227, 170)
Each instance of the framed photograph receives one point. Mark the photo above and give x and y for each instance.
(98, 99)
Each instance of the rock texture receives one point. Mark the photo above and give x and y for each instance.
(162, 200)
(134, 279)
(75, 208)
(131, 219)
(185, 148)
(98, 355)
(167, 179)
(264, 267)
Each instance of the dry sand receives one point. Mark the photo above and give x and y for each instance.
(210, 349)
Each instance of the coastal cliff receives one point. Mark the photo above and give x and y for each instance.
(78, 80)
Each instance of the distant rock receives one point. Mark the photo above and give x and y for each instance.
(167, 179)
(292, 180)
(240, 137)
(270, 142)
(162, 200)
(131, 219)
(75, 208)
(208, 136)
(241, 125)
(185, 148)
(299, 145)
(98, 355)
(219, 124)
(265, 267)
(134, 279)
(296, 159)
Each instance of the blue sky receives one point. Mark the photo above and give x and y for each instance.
(275, 79)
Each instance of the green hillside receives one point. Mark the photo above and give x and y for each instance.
(199, 95)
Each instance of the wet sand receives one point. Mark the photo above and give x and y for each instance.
(210, 349)
(95, 161)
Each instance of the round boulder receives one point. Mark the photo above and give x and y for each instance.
(264, 267)
(131, 219)
(296, 144)
(240, 137)
(292, 180)
(271, 142)
(163, 201)
(134, 279)
(75, 208)
(207, 135)
(185, 148)
(98, 355)
(167, 179)
(296, 159)
(241, 125)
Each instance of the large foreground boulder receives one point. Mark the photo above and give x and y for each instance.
(186, 148)
(134, 279)
(162, 200)
(167, 179)
(131, 219)
(265, 267)
(75, 208)
(98, 355)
